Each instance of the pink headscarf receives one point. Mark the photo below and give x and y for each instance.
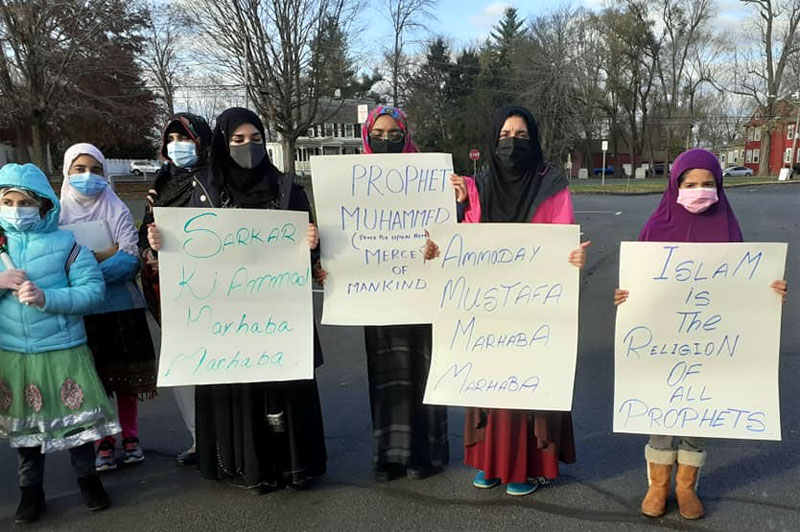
(76, 208)
(402, 122)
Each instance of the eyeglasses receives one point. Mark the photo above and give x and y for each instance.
(395, 136)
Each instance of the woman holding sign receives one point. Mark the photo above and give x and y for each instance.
(410, 437)
(518, 448)
(694, 208)
(184, 147)
(118, 333)
(262, 435)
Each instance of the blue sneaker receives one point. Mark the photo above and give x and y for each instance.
(480, 481)
(519, 489)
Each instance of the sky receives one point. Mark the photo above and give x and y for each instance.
(467, 21)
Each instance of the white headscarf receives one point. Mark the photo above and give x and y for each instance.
(76, 208)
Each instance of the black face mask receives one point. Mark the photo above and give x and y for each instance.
(248, 155)
(513, 153)
(379, 145)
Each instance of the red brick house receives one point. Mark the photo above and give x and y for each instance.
(782, 139)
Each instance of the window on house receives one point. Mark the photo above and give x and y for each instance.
(310, 132)
(757, 134)
(790, 131)
(357, 131)
(749, 157)
(756, 155)
(797, 159)
(787, 155)
(328, 129)
(348, 130)
(741, 155)
(749, 134)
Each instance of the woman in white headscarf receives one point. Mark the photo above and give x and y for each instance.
(118, 333)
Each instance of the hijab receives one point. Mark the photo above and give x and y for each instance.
(513, 196)
(76, 208)
(671, 222)
(253, 187)
(173, 184)
(402, 122)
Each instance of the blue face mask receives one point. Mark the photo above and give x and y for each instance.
(182, 153)
(20, 218)
(88, 184)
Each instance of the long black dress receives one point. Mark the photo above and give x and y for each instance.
(260, 434)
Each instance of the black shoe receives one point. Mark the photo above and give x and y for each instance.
(187, 457)
(31, 505)
(94, 495)
(418, 472)
(388, 472)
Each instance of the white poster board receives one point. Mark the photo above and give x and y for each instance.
(697, 342)
(235, 296)
(505, 331)
(372, 212)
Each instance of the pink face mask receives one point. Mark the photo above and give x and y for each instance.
(697, 200)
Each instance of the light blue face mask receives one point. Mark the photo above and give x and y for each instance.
(182, 153)
(88, 184)
(20, 218)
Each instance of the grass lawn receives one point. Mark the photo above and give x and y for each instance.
(656, 185)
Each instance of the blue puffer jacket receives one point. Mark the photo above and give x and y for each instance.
(42, 252)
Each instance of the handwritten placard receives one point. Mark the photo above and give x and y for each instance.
(372, 212)
(505, 330)
(697, 342)
(235, 296)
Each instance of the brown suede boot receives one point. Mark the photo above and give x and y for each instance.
(689, 464)
(659, 478)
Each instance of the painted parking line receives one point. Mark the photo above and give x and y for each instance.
(615, 213)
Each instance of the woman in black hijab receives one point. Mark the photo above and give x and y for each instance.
(518, 448)
(185, 143)
(270, 434)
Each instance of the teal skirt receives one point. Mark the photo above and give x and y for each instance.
(53, 399)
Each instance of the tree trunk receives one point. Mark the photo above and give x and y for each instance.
(39, 142)
(766, 145)
(288, 144)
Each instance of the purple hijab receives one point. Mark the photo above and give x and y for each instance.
(672, 223)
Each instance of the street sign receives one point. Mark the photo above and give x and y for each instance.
(474, 154)
(605, 145)
(363, 112)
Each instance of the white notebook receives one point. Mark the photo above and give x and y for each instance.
(95, 235)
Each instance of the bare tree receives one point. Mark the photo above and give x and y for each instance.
(759, 70)
(276, 48)
(49, 52)
(161, 58)
(406, 16)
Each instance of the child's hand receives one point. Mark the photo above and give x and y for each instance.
(106, 253)
(30, 294)
(154, 237)
(431, 249)
(620, 296)
(320, 275)
(460, 187)
(577, 257)
(312, 236)
(780, 288)
(12, 279)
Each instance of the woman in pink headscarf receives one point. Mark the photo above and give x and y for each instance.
(694, 208)
(410, 438)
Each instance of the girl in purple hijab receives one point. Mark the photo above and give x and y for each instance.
(694, 208)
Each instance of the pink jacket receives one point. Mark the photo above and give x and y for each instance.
(554, 210)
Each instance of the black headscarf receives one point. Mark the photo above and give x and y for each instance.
(254, 187)
(173, 184)
(511, 196)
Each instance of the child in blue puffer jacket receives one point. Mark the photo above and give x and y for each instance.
(51, 398)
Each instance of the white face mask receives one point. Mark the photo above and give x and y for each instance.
(20, 218)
